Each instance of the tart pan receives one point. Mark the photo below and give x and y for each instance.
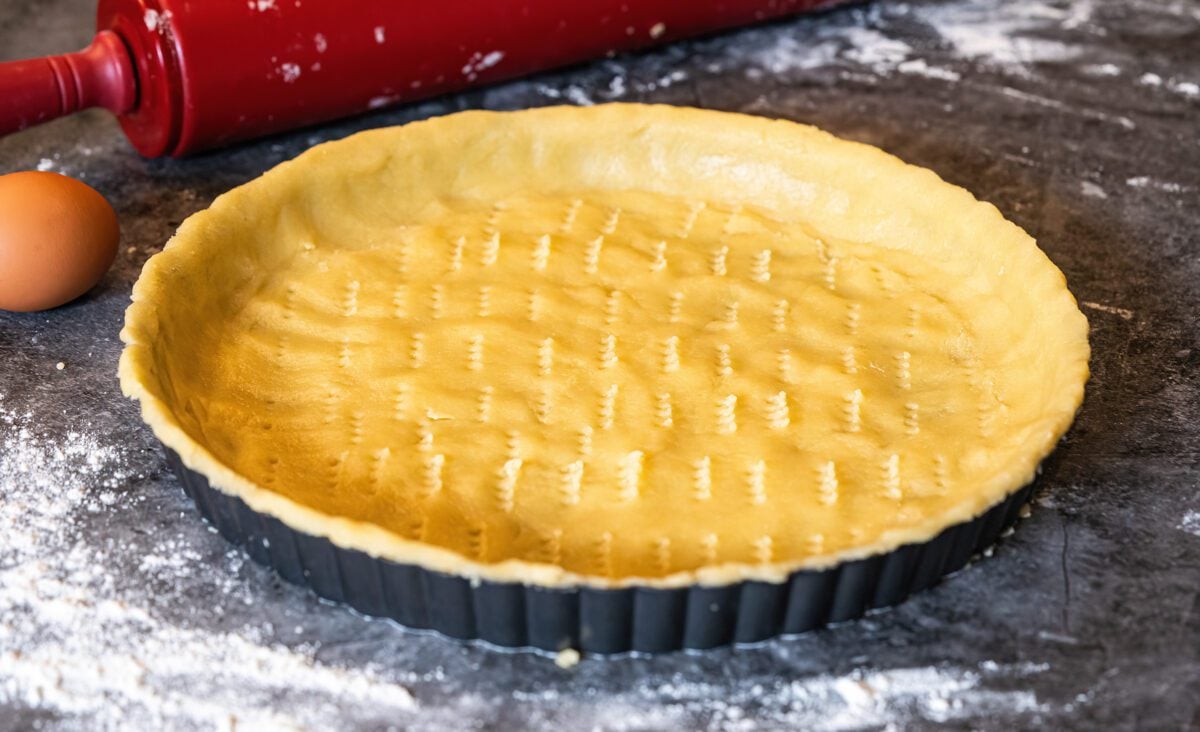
(596, 620)
(618, 378)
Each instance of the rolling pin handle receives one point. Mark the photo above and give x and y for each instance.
(36, 90)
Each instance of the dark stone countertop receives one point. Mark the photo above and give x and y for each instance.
(1079, 120)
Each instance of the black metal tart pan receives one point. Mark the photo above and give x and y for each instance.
(595, 620)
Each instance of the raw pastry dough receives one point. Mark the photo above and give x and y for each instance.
(608, 345)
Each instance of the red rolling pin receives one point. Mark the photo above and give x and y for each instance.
(184, 75)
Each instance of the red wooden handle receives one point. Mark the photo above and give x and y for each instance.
(39, 89)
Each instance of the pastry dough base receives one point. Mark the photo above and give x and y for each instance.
(620, 345)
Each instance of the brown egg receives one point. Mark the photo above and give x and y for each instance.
(57, 239)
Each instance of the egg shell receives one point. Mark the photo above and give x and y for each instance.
(58, 237)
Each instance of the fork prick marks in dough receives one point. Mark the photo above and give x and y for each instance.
(764, 549)
(456, 253)
(612, 307)
(941, 474)
(662, 554)
(663, 410)
(629, 476)
(607, 358)
(779, 315)
(830, 264)
(760, 270)
(730, 314)
(400, 302)
(477, 541)
(437, 301)
(675, 309)
(913, 320)
(726, 414)
(333, 398)
(603, 552)
(379, 461)
(552, 547)
(568, 221)
(728, 227)
(608, 406)
(912, 418)
(424, 437)
(883, 282)
(533, 305)
(783, 365)
(853, 318)
(541, 253)
(492, 225)
(418, 527)
(350, 299)
(724, 366)
(506, 483)
(756, 484)
(717, 261)
(356, 428)
(849, 360)
(584, 440)
(611, 222)
(402, 401)
(777, 413)
(689, 221)
(591, 255)
(289, 303)
(545, 403)
(827, 483)
(484, 301)
(512, 444)
(659, 261)
(403, 255)
(434, 466)
(475, 352)
(670, 355)
(852, 410)
(830, 274)
(416, 351)
(891, 478)
(483, 404)
(336, 466)
(571, 485)
(904, 370)
(272, 471)
(702, 479)
(545, 359)
(490, 251)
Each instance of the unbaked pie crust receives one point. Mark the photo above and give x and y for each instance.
(607, 346)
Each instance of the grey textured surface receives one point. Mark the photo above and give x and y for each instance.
(1080, 121)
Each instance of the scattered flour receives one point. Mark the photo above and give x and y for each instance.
(289, 72)
(1189, 89)
(861, 700)
(1122, 313)
(75, 643)
(1006, 36)
(1191, 523)
(1005, 33)
(1143, 181)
